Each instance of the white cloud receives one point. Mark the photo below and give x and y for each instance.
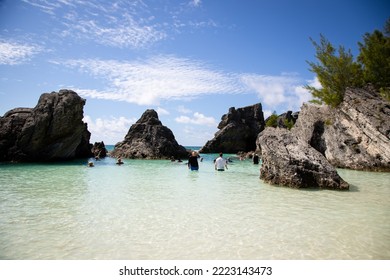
(123, 24)
(274, 91)
(183, 110)
(183, 119)
(162, 111)
(270, 89)
(119, 23)
(202, 24)
(110, 130)
(303, 95)
(315, 83)
(12, 53)
(162, 78)
(127, 33)
(158, 78)
(44, 6)
(198, 119)
(195, 3)
(267, 113)
(195, 136)
(172, 78)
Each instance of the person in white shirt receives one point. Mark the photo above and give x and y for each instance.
(220, 163)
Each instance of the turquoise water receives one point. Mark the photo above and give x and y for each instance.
(161, 210)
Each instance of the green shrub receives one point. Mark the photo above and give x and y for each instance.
(288, 123)
(335, 73)
(272, 120)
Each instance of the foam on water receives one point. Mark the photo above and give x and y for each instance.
(161, 210)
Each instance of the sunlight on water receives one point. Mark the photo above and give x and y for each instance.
(160, 210)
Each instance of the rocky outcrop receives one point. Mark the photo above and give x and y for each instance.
(149, 139)
(289, 161)
(285, 120)
(288, 119)
(238, 131)
(99, 150)
(53, 130)
(355, 135)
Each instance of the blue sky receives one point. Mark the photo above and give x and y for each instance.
(191, 60)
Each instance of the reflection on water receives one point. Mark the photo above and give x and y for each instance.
(161, 210)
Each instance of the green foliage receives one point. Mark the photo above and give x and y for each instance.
(328, 122)
(335, 73)
(272, 120)
(288, 123)
(387, 27)
(385, 93)
(375, 58)
(338, 71)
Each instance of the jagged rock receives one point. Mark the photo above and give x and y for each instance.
(285, 120)
(238, 131)
(149, 139)
(355, 135)
(289, 161)
(99, 150)
(53, 130)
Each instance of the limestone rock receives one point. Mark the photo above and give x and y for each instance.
(238, 131)
(355, 135)
(289, 161)
(149, 139)
(99, 150)
(53, 130)
(285, 120)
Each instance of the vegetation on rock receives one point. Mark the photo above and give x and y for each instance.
(337, 71)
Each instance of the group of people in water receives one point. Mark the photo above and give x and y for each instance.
(118, 161)
(220, 163)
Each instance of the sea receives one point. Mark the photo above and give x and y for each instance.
(158, 209)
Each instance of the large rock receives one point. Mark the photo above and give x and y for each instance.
(149, 139)
(99, 150)
(356, 135)
(285, 120)
(238, 131)
(53, 130)
(291, 162)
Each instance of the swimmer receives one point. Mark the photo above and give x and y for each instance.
(220, 163)
(193, 162)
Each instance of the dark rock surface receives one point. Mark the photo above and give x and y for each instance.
(238, 131)
(286, 119)
(99, 150)
(149, 139)
(53, 130)
(291, 162)
(356, 135)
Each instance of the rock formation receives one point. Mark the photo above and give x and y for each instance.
(99, 150)
(285, 120)
(238, 131)
(53, 130)
(355, 135)
(149, 139)
(291, 162)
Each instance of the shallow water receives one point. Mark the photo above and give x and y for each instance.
(161, 210)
